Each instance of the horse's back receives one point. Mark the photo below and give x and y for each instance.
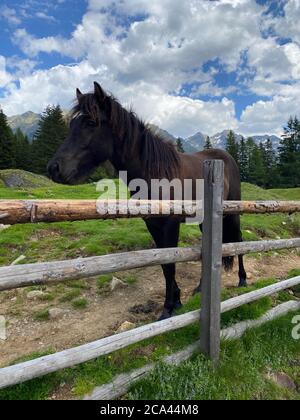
(192, 168)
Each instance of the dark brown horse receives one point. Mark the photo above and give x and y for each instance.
(101, 129)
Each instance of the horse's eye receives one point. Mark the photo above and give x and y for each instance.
(91, 123)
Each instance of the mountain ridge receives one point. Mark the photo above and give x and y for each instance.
(28, 123)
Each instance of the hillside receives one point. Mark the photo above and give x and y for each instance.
(16, 178)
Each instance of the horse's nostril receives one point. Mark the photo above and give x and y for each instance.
(53, 168)
(56, 167)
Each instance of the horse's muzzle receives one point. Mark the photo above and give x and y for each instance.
(53, 170)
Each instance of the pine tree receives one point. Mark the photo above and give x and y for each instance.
(179, 145)
(22, 151)
(256, 165)
(50, 134)
(232, 146)
(289, 155)
(207, 144)
(270, 163)
(244, 160)
(7, 146)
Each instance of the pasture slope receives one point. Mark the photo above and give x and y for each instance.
(247, 365)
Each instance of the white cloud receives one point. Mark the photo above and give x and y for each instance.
(288, 25)
(148, 52)
(179, 115)
(5, 77)
(45, 16)
(10, 15)
(269, 116)
(165, 48)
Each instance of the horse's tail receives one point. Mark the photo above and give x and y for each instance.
(231, 233)
(228, 263)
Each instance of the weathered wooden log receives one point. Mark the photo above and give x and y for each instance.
(212, 259)
(60, 271)
(238, 330)
(243, 248)
(34, 211)
(238, 301)
(122, 383)
(261, 207)
(22, 372)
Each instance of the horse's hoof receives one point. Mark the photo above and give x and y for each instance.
(165, 315)
(243, 283)
(178, 305)
(197, 290)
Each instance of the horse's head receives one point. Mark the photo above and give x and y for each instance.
(89, 142)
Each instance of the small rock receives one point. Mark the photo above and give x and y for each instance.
(283, 380)
(13, 299)
(35, 295)
(117, 284)
(126, 326)
(249, 275)
(56, 313)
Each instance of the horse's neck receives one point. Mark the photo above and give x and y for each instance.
(132, 164)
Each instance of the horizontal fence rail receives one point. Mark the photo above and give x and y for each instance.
(34, 211)
(22, 372)
(13, 277)
(121, 384)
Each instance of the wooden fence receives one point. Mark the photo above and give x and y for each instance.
(32, 211)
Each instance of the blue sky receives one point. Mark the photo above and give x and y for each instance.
(189, 66)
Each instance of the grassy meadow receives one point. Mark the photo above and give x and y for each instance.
(245, 363)
(241, 374)
(48, 242)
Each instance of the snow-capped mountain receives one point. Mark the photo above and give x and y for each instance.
(194, 143)
(275, 140)
(219, 140)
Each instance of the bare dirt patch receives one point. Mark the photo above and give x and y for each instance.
(137, 303)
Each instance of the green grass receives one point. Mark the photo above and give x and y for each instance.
(47, 297)
(103, 281)
(240, 375)
(81, 303)
(42, 315)
(57, 241)
(69, 296)
(130, 279)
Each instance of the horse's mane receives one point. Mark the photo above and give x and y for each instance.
(159, 157)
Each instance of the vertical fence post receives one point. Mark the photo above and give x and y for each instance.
(212, 258)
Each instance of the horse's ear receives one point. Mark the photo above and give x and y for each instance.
(79, 94)
(99, 92)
